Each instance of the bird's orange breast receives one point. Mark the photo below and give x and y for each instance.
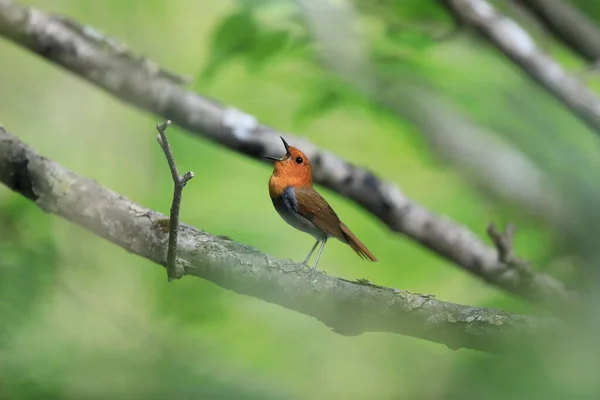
(279, 182)
(276, 187)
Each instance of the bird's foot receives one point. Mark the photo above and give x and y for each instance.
(299, 267)
(310, 273)
(313, 271)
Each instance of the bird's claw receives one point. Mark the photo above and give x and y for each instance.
(310, 273)
(300, 267)
(313, 271)
(303, 266)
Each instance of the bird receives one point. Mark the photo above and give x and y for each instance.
(301, 206)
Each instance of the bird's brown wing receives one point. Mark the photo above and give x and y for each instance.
(312, 206)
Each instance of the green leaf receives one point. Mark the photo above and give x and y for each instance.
(256, 4)
(234, 36)
(268, 45)
(411, 39)
(325, 101)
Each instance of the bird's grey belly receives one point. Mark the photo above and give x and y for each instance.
(292, 217)
(303, 224)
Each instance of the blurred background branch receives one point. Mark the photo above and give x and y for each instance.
(60, 43)
(490, 162)
(516, 43)
(567, 24)
(349, 308)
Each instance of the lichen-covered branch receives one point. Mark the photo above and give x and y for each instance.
(154, 90)
(349, 308)
(516, 43)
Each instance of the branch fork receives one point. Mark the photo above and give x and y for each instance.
(174, 270)
(503, 240)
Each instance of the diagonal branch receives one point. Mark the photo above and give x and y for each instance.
(516, 43)
(350, 308)
(174, 270)
(59, 43)
(567, 24)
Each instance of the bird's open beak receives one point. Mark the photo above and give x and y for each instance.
(286, 155)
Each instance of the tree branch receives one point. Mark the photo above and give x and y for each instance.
(350, 308)
(174, 270)
(59, 43)
(516, 43)
(504, 243)
(567, 24)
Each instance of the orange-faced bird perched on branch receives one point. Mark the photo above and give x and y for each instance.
(301, 206)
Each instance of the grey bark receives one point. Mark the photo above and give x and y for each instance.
(86, 53)
(516, 43)
(349, 308)
(567, 24)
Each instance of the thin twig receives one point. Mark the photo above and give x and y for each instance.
(174, 271)
(503, 240)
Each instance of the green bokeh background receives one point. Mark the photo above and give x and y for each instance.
(81, 318)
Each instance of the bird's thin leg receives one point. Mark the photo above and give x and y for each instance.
(314, 268)
(304, 263)
(310, 253)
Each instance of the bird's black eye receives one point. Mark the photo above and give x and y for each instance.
(299, 160)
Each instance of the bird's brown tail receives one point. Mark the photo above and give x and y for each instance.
(356, 244)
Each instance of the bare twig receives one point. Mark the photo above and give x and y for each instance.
(174, 270)
(503, 240)
(49, 37)
(349, 308)
(516, 43)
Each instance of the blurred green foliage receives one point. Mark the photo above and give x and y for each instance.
(81, 318)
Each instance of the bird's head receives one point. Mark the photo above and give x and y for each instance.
(293, 166)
